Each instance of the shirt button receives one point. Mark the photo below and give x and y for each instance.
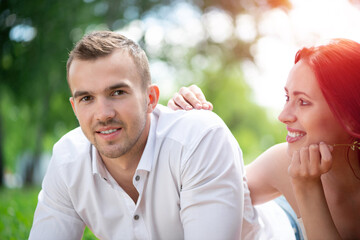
(136, 217)
(137, 178)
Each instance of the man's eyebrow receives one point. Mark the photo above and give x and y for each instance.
(80, 93)
(116, 86)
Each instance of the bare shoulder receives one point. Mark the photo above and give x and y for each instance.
(276, 156)
(267, 173)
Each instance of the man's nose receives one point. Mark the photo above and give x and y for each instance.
(104, 110)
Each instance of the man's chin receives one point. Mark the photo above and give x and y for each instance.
(110, 151)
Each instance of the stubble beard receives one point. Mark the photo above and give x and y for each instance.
(128, 141)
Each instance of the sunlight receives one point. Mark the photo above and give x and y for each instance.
(316, 20)
(308, 23)
(282, 34)
(218, 25)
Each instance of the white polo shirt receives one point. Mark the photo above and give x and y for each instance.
(190, 181)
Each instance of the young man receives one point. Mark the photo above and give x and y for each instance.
(135, 170)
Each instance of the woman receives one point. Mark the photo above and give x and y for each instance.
(317, 170)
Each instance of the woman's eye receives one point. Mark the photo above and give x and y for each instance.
(304, 102)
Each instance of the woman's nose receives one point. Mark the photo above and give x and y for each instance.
(287, 115)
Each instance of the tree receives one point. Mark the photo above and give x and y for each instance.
(35, 38)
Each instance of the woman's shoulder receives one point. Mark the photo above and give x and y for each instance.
(268, 173)
(275, 154)
(272, 165)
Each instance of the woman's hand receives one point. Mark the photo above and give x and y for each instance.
(306, 167)
(309, 163)
(189, 98)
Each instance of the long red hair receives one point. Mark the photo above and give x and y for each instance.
(336, 66)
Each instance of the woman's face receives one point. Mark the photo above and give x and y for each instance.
(306, 113)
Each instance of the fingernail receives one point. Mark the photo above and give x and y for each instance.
(188, 107)
(205, 106)
(198, 106)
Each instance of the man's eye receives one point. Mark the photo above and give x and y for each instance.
(118, 92)
(85, 99)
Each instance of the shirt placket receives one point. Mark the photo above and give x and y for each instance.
(140, 230)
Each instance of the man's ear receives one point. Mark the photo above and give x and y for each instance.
(71, 99)
(153, 94)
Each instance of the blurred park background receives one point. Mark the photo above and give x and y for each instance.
(216, 44)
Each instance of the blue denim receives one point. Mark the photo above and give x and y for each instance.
(281, 201)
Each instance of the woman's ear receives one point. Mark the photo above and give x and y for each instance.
(153, 94)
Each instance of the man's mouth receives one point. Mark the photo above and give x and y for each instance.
(109, 131)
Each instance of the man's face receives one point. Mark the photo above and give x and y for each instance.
(110, 103)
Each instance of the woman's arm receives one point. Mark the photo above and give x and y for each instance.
(305, 170)
(267, 174)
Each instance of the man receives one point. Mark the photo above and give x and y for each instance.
(135, 170)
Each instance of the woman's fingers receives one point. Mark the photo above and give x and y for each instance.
(304, 162)
(326, 157)
(171, 104)
(314, 160)
(182, 102)
(294, 167)
(200, 97)
(188, 98)
(311, 162)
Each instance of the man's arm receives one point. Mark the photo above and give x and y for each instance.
(55, 217)
(212, 195)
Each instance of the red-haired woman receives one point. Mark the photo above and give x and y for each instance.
(318, 169)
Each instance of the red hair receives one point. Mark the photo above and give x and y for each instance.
(336, 66)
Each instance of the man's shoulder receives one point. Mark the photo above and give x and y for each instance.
(197, 118)
(182, 125)
(72, 144)
(74, 137)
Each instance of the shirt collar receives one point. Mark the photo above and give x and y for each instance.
(97, 163)
(147, 157)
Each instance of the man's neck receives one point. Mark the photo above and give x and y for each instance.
(130, 160)
(122, 169)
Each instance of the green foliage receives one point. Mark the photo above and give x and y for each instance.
(34, 108)
(17, 207)
(217, 70)
(34, 105)
(249, 123)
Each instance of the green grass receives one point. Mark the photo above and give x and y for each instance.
(17, 208)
